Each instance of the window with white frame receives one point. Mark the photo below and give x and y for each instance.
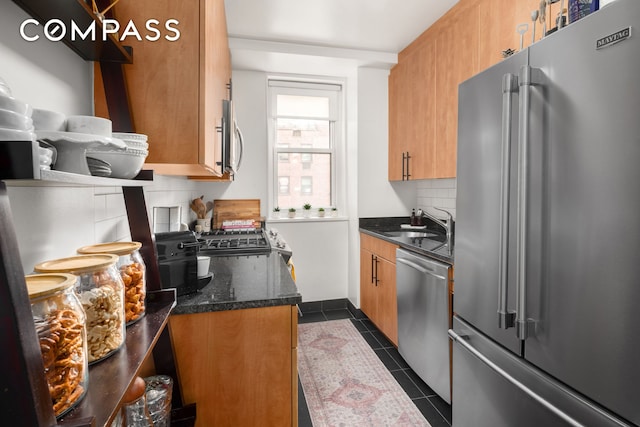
(304, 136)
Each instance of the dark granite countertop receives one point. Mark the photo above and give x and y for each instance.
(244, 281)
(433, 246)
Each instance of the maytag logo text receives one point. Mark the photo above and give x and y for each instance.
(55, 30)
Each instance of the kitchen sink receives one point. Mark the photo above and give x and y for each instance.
(410, 234)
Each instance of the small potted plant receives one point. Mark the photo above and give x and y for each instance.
(334, 212)
(307, 210)
(276, 212)
(292, 212)
(321, 212)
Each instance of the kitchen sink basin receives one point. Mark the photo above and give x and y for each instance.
(410, 234)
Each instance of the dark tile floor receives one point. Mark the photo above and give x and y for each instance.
(434, 409)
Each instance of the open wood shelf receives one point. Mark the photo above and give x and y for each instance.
(110, 378)
(79, 12)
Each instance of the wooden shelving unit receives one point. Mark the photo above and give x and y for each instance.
(24, 394)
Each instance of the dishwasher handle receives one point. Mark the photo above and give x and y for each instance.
(421, 268)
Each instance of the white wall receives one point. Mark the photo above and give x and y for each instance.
(44, 74)
(320, 257)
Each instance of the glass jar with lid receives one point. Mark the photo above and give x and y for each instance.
(133, 273)
(101, 292)
(60, 325)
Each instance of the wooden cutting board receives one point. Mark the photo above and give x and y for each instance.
(238, 209)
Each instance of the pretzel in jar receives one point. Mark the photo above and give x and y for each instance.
(135, 290)
(61, 340)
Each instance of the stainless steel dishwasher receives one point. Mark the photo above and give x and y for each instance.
(423, 318)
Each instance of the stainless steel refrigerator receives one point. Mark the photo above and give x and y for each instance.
(547, 263)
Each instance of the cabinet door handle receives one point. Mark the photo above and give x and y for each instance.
(403, 159)
(372, 262)
(377, 280)
(408, 174)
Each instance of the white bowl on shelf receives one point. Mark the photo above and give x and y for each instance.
(130, 136)
(90, 125)
(136, 141)
(48, 120)
(13, 120)
(125, 164)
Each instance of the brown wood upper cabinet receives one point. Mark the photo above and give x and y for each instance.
(423, 86)
(176, 88)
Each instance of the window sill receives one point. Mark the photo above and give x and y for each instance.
(310, 219)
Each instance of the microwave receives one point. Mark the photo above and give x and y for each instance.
(232, 140)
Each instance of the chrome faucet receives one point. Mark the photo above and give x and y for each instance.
(448, 226)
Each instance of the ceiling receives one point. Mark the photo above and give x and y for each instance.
(279, 33)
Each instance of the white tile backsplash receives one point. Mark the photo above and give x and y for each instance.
(53, 222)
(440, 193)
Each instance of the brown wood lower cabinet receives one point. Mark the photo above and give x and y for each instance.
(239, 366)
(378, 284)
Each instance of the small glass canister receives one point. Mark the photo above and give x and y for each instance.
(101, 292)
(133, 272)
(60, 325)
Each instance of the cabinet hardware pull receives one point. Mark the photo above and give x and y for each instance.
(377, 280)
(372, 261)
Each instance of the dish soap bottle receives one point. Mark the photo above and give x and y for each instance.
(414, 220)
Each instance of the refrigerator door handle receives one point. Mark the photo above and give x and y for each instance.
(506, 317)
(463, 341)
(528, 77)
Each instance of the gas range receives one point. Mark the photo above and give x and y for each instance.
(234, 242)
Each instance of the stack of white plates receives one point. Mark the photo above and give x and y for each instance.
(98, 167)
(15, 117)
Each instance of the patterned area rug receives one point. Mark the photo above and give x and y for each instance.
(344, 382)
